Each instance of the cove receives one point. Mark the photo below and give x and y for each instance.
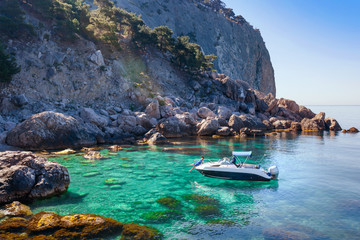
(316, 196)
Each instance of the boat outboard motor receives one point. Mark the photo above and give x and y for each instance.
(274, 172)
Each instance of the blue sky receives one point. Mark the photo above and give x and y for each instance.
(314, 47)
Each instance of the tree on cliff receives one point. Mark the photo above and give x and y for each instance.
(12, 20)
(165, 41)
(8, 66)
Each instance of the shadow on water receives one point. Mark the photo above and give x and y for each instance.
(63, 199)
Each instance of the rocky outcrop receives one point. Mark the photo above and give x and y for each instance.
(24, 175)
(51, 130)
(48, 225)
(332, 125)
(351, 130)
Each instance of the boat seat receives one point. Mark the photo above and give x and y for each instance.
(250, 166)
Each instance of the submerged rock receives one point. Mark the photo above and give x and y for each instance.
(162, 217)
(24, 175)
(51, 130)
(207, 211)
(169, 202)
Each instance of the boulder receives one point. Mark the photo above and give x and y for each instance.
(320, 116)
(97, 58)
(143, 120)
(51, 130)
(236, 123)
(172, 127)
(289, 104)
(15, 209)
(224, 112)
(205, 112)
(138, 130)
(304, 112)
(295, 126)
(153, 109)
(223, 131)
(127, 120)
(20, 100)
(166, 111)
(268, 124)
(26, 176)
(89, 115)
(6, 106)
(208, 127)
(332, 125)
(252, 132)
(281, 124)
(251, 121)
(312, 125)
(157, 138)
(261, 105)
(351, 130)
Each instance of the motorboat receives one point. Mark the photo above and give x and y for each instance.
(227, 168)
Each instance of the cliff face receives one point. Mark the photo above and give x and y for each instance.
(240, 49)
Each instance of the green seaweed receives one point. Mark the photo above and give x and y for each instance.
(207, 211)
(224, 222)
(201, 199)
(169, 202)
(162, 217)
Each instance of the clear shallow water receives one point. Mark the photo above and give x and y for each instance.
(316, 196)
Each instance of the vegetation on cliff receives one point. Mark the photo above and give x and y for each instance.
(8, 66)
(110, 26)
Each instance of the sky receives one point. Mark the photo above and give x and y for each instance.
(314, 47)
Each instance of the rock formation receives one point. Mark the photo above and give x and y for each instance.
(24, 175)
(20, 223)
(51, 130)
(240, 49)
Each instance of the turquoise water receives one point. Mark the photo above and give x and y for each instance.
(316, 196)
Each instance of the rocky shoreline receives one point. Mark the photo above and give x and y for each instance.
(239, 110)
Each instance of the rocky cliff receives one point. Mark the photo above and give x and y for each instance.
(240, 49)
(85, 91)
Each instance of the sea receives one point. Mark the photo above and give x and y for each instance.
(317, 194)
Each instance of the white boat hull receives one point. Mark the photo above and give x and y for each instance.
(231, 172)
